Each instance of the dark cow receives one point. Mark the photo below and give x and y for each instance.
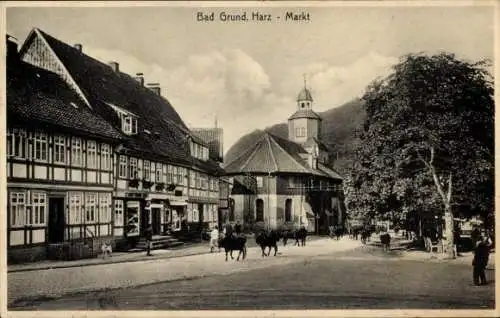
(268, 239)
(234, 243)
(365, 235)
(339, 231)
(385, 239)
(286, 235)
(301, 236)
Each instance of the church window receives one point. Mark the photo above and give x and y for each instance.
(288, 210)
(259, 208)
(302, 104)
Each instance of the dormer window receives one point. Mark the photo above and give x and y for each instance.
(198, 151)
(129, 124)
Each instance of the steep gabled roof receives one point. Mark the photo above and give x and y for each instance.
(161, 132)
(37, 95)
(272, 154)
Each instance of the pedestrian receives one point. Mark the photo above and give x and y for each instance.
(229, 230)
(456, 238)
(214, 239)
(237, 228)
(480, 261)
(149, 240)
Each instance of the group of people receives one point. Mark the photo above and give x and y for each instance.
(216, 236)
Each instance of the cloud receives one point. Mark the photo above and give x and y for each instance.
(231, 85)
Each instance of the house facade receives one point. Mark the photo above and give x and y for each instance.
(59, 165)
(287, 183)
(145, 168)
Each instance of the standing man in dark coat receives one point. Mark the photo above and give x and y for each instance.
(149, 239)
(237, 228)
(229, 230)
(481, 255)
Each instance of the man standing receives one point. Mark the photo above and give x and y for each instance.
(214, 239)
(480, 261)
(237, 228)
(229, 230)
(149, 239)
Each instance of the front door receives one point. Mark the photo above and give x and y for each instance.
(176, 220)
(56, 220)
(156, 221)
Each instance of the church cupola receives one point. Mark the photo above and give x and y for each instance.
(304, 123)
(304, 99)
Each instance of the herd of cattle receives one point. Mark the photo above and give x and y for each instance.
(264, 239)
(269, 239)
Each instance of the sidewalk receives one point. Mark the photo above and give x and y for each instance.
(121, 257)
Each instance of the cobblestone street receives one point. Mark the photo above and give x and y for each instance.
(59, 281)
(326, 274)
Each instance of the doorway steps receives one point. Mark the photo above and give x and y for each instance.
(158, 242)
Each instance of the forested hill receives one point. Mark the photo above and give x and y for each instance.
(338, 132)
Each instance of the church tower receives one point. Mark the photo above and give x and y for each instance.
(304, 124)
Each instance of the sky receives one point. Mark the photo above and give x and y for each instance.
(248, 74)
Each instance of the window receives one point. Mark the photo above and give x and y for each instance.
(133, 169)
(39, 203)
(105, 208)
(119, 213)
(129, 124)
(76, 151)
(75, 208)
(169, 174)
(17, 209)
(302, 132)
(147, 170)
(105, 157)
(90, 208)
(291, 182)
(91, 154)
(158, 173)
(259, 208)
(192, 181)
(16, 143)
(122, 173)
(40, 144)
(302, 104)
(59, 149)
(288, 210)
(180, 175)
(260, 182)
(134, 126)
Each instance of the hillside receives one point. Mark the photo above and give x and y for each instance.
(338, 133)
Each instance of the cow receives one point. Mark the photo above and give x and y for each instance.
(385, 239)
(268, 239)
(234, 243)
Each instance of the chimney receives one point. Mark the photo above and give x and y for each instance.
(114, 66)
(140, 78)
(12, 52)
(78, 47)
(155, 87)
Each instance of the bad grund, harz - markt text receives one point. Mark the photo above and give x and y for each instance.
(254, 16)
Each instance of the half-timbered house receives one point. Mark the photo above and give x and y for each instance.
(159, 162)
(59, 166)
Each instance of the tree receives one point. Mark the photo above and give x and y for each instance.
(429, 130)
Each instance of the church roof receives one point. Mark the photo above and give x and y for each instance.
(305, 113)
(304, 94)
(272, 154)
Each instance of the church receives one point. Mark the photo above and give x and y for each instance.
(287, 183)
